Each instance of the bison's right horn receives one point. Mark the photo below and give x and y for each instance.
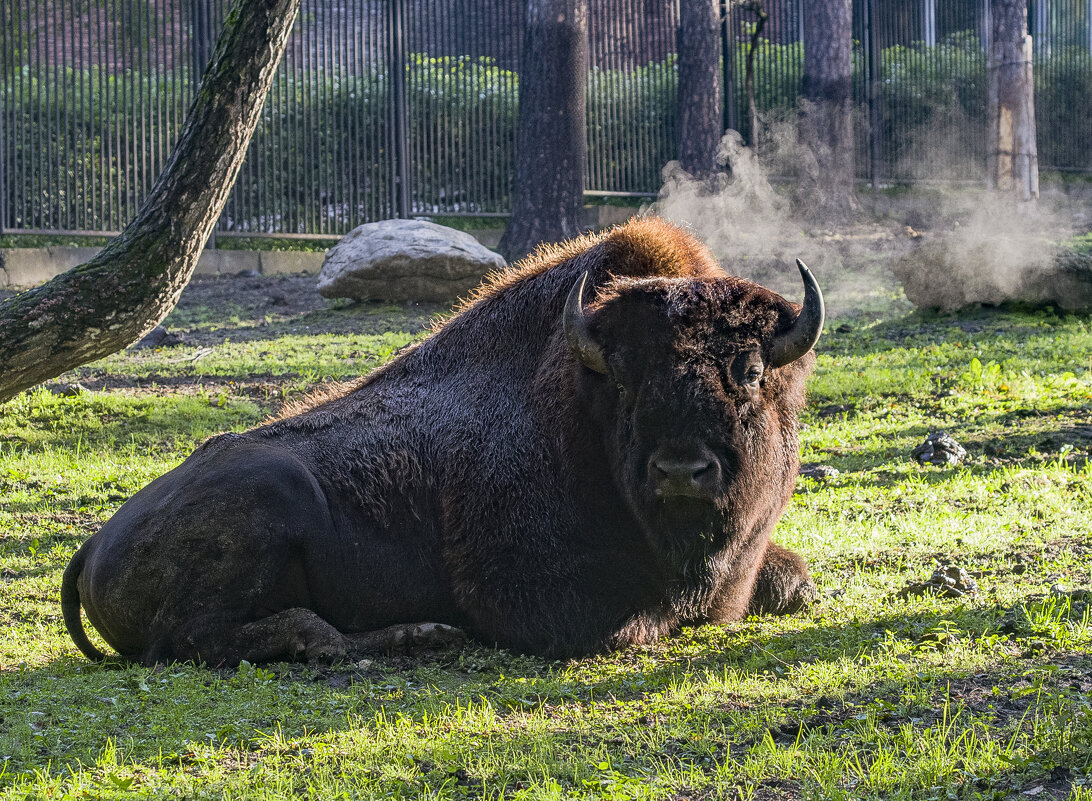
(804, 333)
(576, 330)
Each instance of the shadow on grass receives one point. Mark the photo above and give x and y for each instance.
(921, 328)
(1010, 439)
(62, 715)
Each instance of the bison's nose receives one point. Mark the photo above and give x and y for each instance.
(694, 475)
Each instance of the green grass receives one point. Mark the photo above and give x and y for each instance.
(52, 241)
(863, 695)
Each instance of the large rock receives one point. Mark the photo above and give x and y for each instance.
(405, 260)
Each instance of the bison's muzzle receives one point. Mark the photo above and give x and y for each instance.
(692, 473)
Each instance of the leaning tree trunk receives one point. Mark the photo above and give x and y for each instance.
(699, 125)
(826, 124)
(551, 151)
(100, 307)
(1012, 160)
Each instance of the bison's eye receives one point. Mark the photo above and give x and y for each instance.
(747, 370)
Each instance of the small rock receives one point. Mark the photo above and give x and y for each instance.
(836, 408)
(939, 448)
(1035, 647)
(818, 471)
(152, 338)
(159, 337)
(65, 390)
(949, 581)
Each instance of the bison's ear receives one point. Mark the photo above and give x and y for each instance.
(577, 332)
(804, 332)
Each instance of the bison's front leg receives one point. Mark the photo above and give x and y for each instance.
(300, 634)
(783, 585)
(406, 638)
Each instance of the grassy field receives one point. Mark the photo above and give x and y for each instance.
(866, 694)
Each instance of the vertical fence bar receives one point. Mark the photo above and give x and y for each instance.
(200, 50)
(729, 110)
(399, 150)
(875, 78)
(9, 37)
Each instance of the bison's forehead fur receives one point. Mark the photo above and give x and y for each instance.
(701, 310)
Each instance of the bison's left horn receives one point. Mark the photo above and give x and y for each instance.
(804, 333)
(576, 330)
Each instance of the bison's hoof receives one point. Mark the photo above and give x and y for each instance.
(436, 635)
(325, 652)
(318, 649)
(802, 597)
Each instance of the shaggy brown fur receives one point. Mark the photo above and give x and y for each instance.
(486, 480)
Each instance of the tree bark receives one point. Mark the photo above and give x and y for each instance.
(1012, 159)
(826, 125)
(698, 115)
(551, 149)
(99, 307)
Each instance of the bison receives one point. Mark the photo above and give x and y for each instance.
(591, 453)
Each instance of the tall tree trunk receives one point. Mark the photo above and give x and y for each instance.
(551, 150)
(99, 307)
(699, 126)
(826, 124)
(1013, 162)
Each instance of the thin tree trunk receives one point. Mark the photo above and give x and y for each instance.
(759, 9)
(826, 124)
(551, 150)
(699, 125)
(1013, 162)
(99, 307)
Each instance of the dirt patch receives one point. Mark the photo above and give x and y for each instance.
(241, 308)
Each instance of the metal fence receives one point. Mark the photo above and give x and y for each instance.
(920, 82)
(388, 108)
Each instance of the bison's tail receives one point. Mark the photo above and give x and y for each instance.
(70, 607)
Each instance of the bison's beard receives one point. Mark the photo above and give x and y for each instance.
(686, 530)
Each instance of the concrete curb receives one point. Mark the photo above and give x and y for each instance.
(28, 267)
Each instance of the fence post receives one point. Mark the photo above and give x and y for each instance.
(3, 173)
(397, 108)
(728, 78)
(875, 74)
(200, 52)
